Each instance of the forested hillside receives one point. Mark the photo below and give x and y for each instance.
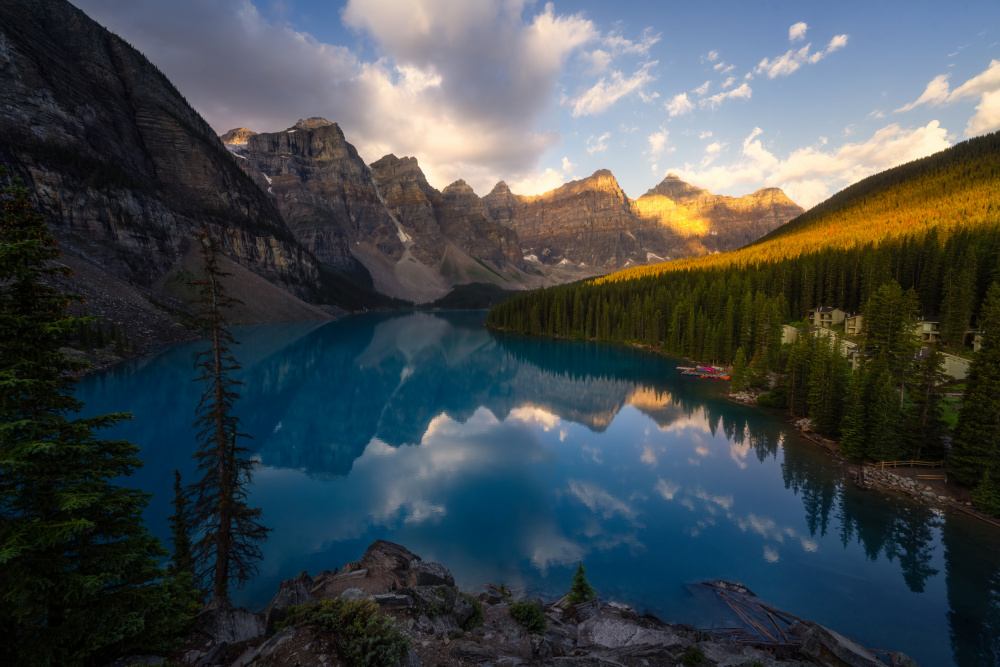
(954, 190)
(920, 240)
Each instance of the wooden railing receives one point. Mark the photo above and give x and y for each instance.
(911, 464)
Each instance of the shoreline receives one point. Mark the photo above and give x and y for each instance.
(958, 498)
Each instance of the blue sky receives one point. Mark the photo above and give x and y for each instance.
(731, 96)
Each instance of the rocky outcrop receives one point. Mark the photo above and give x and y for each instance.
(591, 222)
(449, 627)
(122, 167)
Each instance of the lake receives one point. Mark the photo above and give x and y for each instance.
(509, 459)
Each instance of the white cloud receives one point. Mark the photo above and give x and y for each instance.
(718, 66)
(876, 114)
(598, 144)
(543, 181)
(934, 94)
(705, 134)
(987, 116)
(710, 57)
(619, 44)
(793, 59)
(679, 105)
(743, 92)
(658, 143)
(460, 86)
(703, 88)
(985, 86)
(809, 175)
(605, 93)
(728, 82)
(797, 32)
(711, 152)
(599, 60)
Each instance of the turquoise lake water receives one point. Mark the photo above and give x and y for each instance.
(508, 459)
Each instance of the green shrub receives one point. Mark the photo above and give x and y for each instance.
(478, 617)
(776, 398)
(530, 615)
(363, 635)
(693, 656)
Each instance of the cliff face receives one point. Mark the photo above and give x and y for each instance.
(433, 219)
(122, 167)
(324, 190)
(413, 241)
(591, 222)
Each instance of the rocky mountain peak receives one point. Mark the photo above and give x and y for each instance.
(500, 189)
(311, 123)
(458, 187)
(237, 135)
(390, 167)
(676, 189)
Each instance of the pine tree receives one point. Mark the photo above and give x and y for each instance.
(924, 425)
(987, 495)
(180, 560)
(228, 548)
(738, 378)
(883, 418)
(581, 590)
(976, 445)
(854, 431)
(80, 581)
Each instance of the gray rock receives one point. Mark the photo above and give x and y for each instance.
(587, 661)
(353, 594)
(266, 649)
(615, 632)
(731, 654)
(461, 610)
(587, 610)
(823, 645)
(477, 653)
(902, 660)
(388, 556)
(225, 623)
(394, 601)
(621, 608)
(422, 573)
(216, 656)
(412, 659)
(135, 660)
(291, 592)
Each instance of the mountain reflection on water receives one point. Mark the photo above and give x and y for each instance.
(510, 458)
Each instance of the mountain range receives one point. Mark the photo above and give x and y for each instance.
(126, 172)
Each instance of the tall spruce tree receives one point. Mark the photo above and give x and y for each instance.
(80, 581)
(923, 424)
(228, 529)
(180, 531)
(976, 445)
